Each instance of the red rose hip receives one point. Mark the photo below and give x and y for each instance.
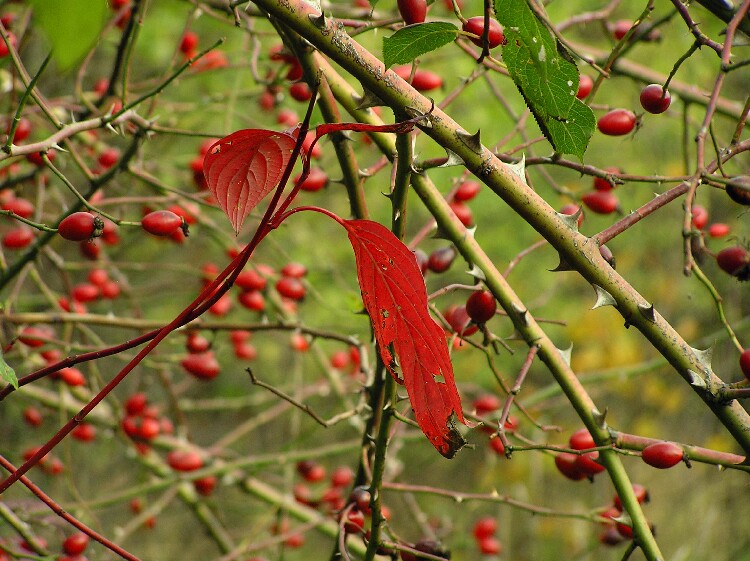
(566, 464)
(75, 544)
(467, 191)
(184, 460)
(585, 85)
(18, 238)
(662, 455)
(601, 202)
(315, 181)
(201, 365)
(441, 259)
(161, 223)
(485, 527)
(189, 42)
(291, 287)
(735, 261)
(475, 26)
(80, 226)
(412, 11)
(617, 122)
(655, 99)
(481, 306)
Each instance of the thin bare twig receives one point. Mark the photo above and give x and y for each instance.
(302, 406)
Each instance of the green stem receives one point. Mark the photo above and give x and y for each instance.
(404, 149)
(162, 86)
(378, 465)
(719, 307)
(342, 145)
(523, 322)
(577, 250)
(22, 104)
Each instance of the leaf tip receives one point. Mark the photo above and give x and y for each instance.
(452, 441)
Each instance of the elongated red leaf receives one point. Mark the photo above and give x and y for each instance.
(395, 297)
(244, 167)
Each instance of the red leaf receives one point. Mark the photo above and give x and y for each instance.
(395, 297)
(244, 167)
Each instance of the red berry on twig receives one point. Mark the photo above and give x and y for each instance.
(481, 306)
(617, 122)
(735, 261)
(412, 11)
(655, 99)
(80, 226)
(475, 25)
(161, 223)
(663, 455)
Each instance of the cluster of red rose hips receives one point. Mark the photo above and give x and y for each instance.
(211, 60)
(484, 533)
(576, 467)
(441, 259)
(201, 361)
(350, 510)
(98, 285)
(298, 89)
(313, 490)
(618, 122)
(37, 336)
(143, 422)
(187, 460)
(49, 463)
(579, 466)
(466, 319)
(346, 360)
(615, 528)
(84, 432)
(415, 11)
(253, 283)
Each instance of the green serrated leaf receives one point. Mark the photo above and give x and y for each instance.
(73, 29)
(7, 373)
(572, 135)
(415, 40)
(546, 77)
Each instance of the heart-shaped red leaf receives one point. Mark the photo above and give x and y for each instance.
(244, 167)
(395, 297)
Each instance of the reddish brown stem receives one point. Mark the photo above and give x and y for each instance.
(513, 392)
(661, 200)
(697, 33)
